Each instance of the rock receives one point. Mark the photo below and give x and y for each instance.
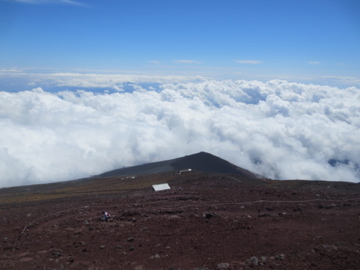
(209, 215)
(280, 256)
(102, 246)
(221, 266)
(56, 253)
(131, 239)
(79, 244)
(254, 261)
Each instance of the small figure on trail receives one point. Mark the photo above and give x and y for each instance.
(106, 216)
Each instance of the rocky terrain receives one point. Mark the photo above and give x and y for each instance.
(207, 220)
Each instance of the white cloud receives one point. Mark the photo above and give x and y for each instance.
(69, 2)
(72, 2)
(91, 80)
(109, 80)
(343, 79)
(156, 62)
(280, 129)
(252, 62)
(10, 70)
(186, 61)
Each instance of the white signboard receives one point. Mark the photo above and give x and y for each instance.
(160, 187)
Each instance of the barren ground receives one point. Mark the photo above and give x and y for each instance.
(206, 221)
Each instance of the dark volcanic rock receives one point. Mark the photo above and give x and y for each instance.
(202, 161)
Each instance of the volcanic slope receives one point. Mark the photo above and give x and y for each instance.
(202, 161)
(205, 221)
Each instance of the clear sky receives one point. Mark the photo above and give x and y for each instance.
(297, 40)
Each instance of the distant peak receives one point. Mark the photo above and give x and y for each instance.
(201, 161)
(202, 153)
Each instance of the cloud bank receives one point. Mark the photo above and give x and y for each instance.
(277, 129)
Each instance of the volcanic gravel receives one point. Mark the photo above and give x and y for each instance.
(205, 221)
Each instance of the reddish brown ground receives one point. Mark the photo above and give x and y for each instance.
(204, 222)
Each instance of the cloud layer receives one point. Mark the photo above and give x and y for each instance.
(277, 129)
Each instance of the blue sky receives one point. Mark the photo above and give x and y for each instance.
(298, 40)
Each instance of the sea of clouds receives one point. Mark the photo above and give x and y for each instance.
(277, 129)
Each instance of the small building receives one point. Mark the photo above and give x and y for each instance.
(183, 171)
(160, 187)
